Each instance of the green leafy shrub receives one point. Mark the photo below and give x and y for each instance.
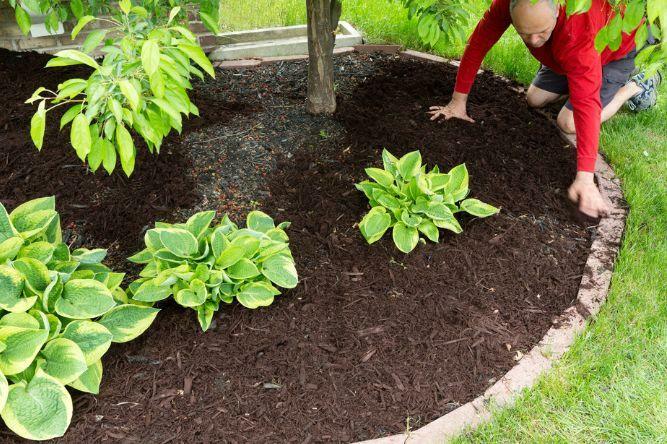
(58, 11)
(439, 20)
(202, 265)
(59, 313)
(409, 200)
(141, 84)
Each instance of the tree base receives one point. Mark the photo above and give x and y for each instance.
(322, 22)
(327, 108)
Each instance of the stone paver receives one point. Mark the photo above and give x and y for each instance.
(244, 63)
(386, 49)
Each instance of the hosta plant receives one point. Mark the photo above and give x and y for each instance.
(410, 200)
(202, 265)
(141, 84)
(60, 310)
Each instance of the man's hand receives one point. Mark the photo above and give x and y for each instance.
(585, 194)
(455, 108)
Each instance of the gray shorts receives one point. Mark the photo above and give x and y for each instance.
(614, 75)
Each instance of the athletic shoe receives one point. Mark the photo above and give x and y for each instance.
(648, 96)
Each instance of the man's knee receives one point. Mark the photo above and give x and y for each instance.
(535, 98)
(538, 98)
(565, 121)
(534, 102)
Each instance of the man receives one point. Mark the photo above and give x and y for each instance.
(597, 84)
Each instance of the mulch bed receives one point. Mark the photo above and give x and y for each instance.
(371, 337)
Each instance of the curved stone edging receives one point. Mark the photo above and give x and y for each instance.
(592, 294)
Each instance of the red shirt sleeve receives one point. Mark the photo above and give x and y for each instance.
(583, 67)
(488, 31)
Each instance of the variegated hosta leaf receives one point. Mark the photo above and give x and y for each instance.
(126, 322)
(405, 237)
(84, 299)
(21, 346)
(63, 360)
(259, 221)
(39, 410)
(4, 391)
(93, 338)
(11, 290)
(478, 208)
(89, 381)
(281, 271)
(178, 241)
(199, 223)
(375, 224)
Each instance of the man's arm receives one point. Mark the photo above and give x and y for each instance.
(583, 69)
(488, 31)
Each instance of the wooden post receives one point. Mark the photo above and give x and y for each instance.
(323, 18)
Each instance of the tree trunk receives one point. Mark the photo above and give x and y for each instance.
(323, 18)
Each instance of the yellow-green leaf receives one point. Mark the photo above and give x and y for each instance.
(125, 6)
(37, 125)
(126, 149)
(150, 56)
(197, 54)
(405, 237)
(77, 56)
(83, 21)
(23, 20)
(80, 136)
(126, 322)
(157, 84)
(130, 93)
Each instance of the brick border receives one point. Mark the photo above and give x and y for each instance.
(557, 341)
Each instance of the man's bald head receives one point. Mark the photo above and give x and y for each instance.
(534, 20)
(552, 3)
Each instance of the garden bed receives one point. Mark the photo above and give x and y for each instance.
(370, 337)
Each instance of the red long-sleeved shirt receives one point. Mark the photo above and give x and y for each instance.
(569, 51)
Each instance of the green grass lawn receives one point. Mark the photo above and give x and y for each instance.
(612, 385)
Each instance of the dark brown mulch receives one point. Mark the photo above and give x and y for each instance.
(371, 337)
